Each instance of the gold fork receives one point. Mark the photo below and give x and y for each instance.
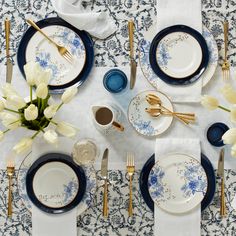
(62, 50)
(130, 170)
(10, 173)
(225, 66)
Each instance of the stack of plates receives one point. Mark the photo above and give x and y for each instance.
(179, 55)
(177, 183)
(35, 47)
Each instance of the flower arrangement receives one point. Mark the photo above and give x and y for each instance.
(212, 103)
(36, 114)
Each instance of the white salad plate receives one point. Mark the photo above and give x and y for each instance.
(183, 54)
(56, 175)
(142, 121)
(177, 183)
(149, 74)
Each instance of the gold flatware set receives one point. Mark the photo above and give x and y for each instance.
(158, 109)
(10, 173)
(226, 66)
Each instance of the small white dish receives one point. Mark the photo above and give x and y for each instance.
(143, 122)
(177, 183)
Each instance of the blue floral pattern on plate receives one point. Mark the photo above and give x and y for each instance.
(177, 183)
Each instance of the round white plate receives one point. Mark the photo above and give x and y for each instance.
(178, 54)
(150, 75)
(62, 184)
(177, 183)
(142, 121)
(91, 184)
(39, 49)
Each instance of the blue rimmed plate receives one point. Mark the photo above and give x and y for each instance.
(207, 166)
(179, 55)
(85, 203)
(35, 47)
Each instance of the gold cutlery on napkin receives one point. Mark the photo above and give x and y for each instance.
(62, 50)
(9, 63)
(10, 173)
(133, 64)
(104, 175)
(130, 171)
(220, 173)
(226, 66)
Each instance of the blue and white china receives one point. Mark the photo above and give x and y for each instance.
(105, 115)
(87, 198)
(177, 183)
(207, 166)
(150, 75)
(178, 55)
(35, 47)
(55, 183)
(142, 122)
(115, 81)
(215, 133)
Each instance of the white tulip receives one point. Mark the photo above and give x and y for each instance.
(7, 90)
(66, 129)
(2, 105)
(233, 150)
(233, 114)
(51, 136)
(209, 102)
(23, 146)
(16, 101)
(69, 94)
(43, 76)
(31, 69)
(42, 91)
(229, 93)
(229, 136)
(9, 120)
(50, 111)
(31, 112)
(1, 135)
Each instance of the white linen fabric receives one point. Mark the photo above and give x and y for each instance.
(185, 12)
(98, 24)
(44, 224)
(187, 224)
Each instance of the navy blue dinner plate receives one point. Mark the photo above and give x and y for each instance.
(88, 44)
(180, 81)
(207, 166)
(55, 157)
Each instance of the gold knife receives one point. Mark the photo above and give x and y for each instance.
(104, 175)
(133, 64)
(9, 63)
(221, 175)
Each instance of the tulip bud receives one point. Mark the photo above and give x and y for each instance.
(51, 136)
(66, 129)
(31, 112)
(209, 102)
(23, 146)
(16, 101)
(42, 91)
(50, 111)
(229, 137)
(30, 70)
(69, 94)
(9, 120)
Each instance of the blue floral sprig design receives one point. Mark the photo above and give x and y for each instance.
(163, 55)
(70, 190)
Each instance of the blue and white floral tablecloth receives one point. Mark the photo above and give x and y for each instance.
(113, 52)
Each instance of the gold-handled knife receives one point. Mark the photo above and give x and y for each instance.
(221, 175)
(104, 175)
(9, 63)
(133, 64)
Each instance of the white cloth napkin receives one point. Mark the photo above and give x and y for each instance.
(188, 224)
(98, 24)
(186, 12)
(44, 224)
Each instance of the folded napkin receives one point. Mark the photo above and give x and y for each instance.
(188, 224)
(44, 224)
(173, 12)
(98, 24)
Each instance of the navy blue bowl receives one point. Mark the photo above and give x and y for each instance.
(215, 133)
(115, 81)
